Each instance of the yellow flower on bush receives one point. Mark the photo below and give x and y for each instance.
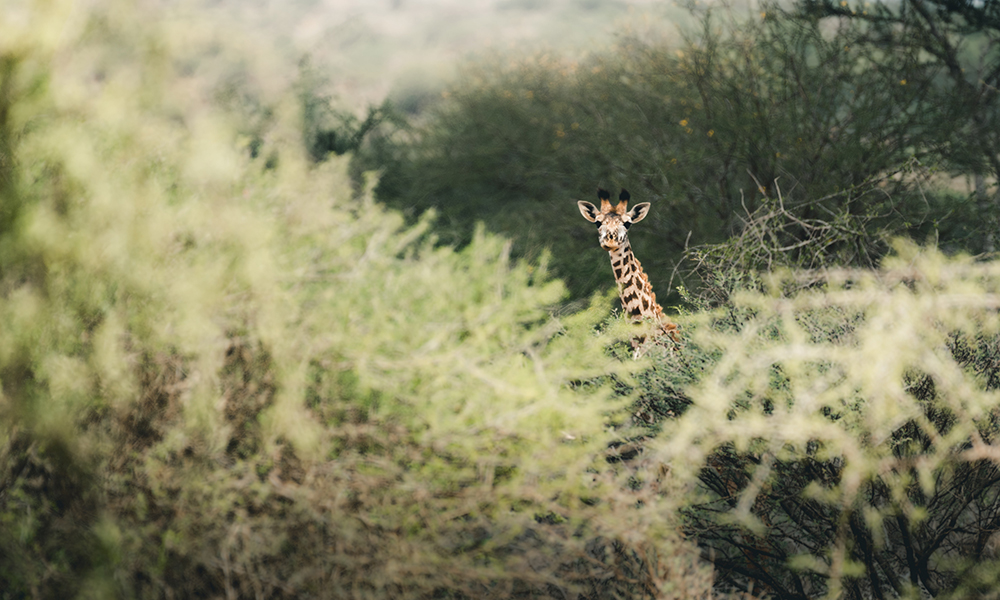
(684, 122)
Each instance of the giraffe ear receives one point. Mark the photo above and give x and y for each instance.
(588, 210)
(638, 212)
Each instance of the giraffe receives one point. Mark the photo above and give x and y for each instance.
(638, 298)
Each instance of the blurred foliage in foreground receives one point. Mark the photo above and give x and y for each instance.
(840, 434)
(225, 373)
(850, 121)
(227, 376)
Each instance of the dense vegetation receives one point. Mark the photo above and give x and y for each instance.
(230, 365)
(805, 136)
(857, 131)
(227, 375)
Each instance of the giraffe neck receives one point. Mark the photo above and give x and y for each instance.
(637, 296)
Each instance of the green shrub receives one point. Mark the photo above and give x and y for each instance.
(839, 430)
(223, 373)
(951, 47)
(710, 129)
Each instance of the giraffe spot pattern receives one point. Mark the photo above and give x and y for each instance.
(635, 291)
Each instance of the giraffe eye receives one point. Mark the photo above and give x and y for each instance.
(598, 223)
(628, 224)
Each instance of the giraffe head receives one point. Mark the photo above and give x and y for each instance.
(613, 221)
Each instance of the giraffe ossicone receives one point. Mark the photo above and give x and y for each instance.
(613, 222)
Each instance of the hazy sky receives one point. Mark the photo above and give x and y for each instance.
(373, 43)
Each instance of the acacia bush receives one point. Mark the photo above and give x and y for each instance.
(222, 373)
(708, 125)
(837, 431)
(954, 46)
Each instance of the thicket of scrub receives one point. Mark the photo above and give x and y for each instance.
(224, 373)
(832, 414)
(837, 432)
(224, 370)
(858, 119)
